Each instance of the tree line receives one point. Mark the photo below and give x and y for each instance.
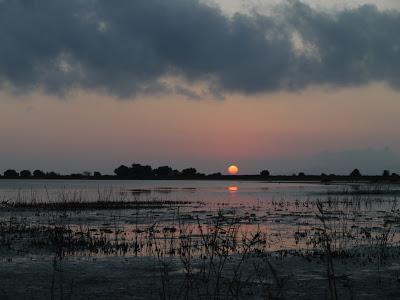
(135, 171)
(138, 171)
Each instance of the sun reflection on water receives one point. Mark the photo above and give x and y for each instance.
(233, 188)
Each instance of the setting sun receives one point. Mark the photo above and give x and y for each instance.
(233, 170)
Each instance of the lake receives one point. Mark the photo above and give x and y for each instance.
(84, 225)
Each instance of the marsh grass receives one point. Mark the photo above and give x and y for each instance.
(203, 255)
(105, 198)
(220, 263)
(326, 243)
(367, 189)
(95, 205)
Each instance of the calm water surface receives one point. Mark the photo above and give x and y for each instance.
(188, 190)
(287, 212)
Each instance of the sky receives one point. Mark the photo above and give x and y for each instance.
(287, 86)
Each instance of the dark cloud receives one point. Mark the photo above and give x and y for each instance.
(129, 46)
(188, 93)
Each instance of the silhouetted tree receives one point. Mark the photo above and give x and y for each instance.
(355, 173)
(301, 174)
(218, 174)
(25, 173)
(264, 173)
(96, 174)
(325, 178)
(10, 173)
(386, 173)
(52, 175)
(189, 172)
(394, 177)
(38, 173)
(163, 172)
(138, 171)
(122, 171)
(76, 175)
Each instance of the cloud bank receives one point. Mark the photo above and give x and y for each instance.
(127, 47)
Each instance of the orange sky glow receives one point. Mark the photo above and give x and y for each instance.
(88, 130)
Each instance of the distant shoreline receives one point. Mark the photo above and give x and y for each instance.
(328, 179)
(147, 172)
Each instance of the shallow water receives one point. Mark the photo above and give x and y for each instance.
(188, 190)
(64, 237)
(285, 213)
